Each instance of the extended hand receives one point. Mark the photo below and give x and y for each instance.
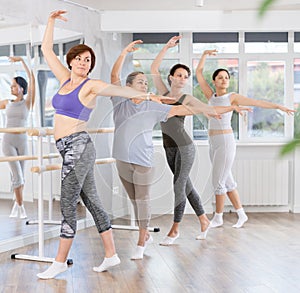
(173, 41)
(210, 52)
(131, 47)
(58, 15)
(15, 59)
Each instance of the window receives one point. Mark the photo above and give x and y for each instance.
(266, 42)
(223, 42)
(265, 80)
(297, 96)
(297, 41)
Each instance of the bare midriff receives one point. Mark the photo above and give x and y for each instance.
(65, 126)
(212, 132)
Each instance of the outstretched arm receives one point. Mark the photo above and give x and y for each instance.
(206, 89)
(158, 82)
(30, 99)
(192, 106)
(117, 68)
(59, 70)
(245, 101)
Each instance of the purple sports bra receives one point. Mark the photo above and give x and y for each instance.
(69, 104)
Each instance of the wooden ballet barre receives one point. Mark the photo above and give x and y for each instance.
(27, 158)
(14, 130)
(37, 169)
(50, 131)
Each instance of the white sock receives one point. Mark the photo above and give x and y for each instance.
(22, 212)
(107, 263)
(14, 210)
(139, 252)
(242, 218)
(55, 269)
(167, 240)
(217, 220)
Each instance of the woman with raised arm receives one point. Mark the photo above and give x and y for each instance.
(73, 104)
(133, 148)
(179, 147)
(15, 144)
(222, 146)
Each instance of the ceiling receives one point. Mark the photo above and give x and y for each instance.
(224, 5)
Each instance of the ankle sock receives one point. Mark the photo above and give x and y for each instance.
(14, 210)
(168, 240)
(217, 220)
(22, 212)
(243, 218)
(107, 263)
(138, 253)
(55, 269)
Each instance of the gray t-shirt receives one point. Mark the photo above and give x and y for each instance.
(133, 129)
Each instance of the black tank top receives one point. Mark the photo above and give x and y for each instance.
(173, 131)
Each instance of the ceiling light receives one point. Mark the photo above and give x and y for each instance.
(199, 3)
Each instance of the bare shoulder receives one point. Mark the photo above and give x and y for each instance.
(3, 104)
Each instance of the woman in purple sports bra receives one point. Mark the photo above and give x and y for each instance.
(73, 104)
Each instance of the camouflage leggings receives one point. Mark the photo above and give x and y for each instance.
(77, 179)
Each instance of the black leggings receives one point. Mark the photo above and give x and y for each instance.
(180, 160)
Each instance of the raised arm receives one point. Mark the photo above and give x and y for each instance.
(158, 82)
(206, 89)
(30, 98)
(117, 68)
(245, 101)
(59, 70)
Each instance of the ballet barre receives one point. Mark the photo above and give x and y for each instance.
(26, 158)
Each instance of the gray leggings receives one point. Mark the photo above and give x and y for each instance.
(78, 153)
(15, 145)
(180, 160)
(136, 180)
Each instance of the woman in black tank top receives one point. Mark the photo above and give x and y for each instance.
(178, 145)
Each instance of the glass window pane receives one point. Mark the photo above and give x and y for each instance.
(200, 121)
(223, 42)
(266, 47)
(297, 96)
(198, 48)
(266, 42)
(48, 86)
(265, 80)
(155, 48)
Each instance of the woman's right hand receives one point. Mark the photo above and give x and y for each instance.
(58, 14)
(210, 52)
(173, 42)
(131, 47)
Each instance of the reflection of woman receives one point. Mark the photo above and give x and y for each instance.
(221, 139)
(133, 148)
(17, 111)
(73, 104)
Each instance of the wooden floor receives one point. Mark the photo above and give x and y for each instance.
(14, 227)
(264, 256)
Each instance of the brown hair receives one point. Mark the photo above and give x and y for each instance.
(131, 76)
(77, 50)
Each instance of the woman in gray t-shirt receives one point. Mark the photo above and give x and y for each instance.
(133, 149)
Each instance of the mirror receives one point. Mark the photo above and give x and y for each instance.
(21, 35)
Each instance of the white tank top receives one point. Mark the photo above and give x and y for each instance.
(16, 114)
(225, 122)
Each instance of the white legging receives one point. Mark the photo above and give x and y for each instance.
(15, 145)
(222, 149)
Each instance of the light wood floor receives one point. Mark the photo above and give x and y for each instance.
(264, 256)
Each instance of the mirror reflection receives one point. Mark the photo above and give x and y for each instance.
(26, 89)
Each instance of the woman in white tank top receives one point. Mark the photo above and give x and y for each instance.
(17, 111)
(221, 140)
